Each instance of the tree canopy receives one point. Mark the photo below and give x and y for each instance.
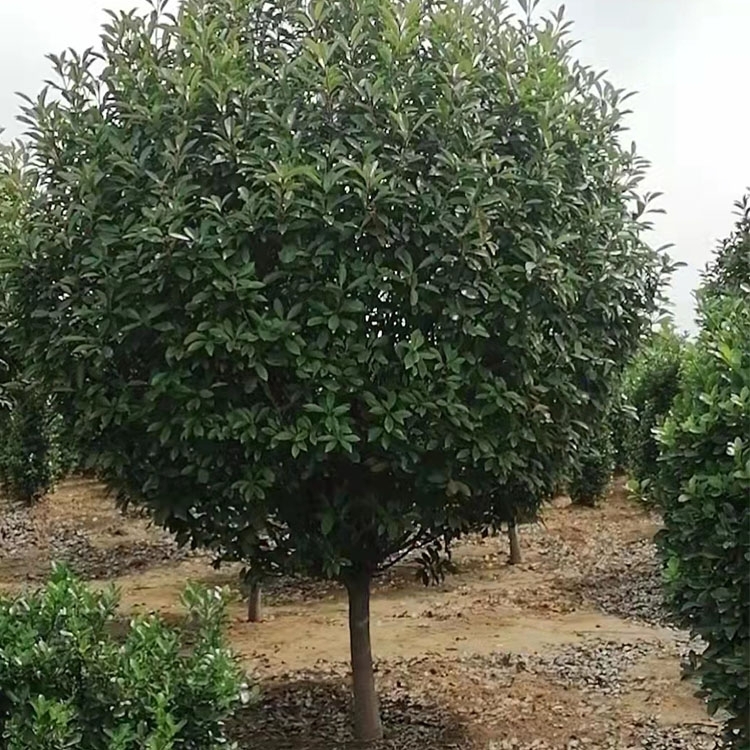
(729, 269)
(324, 282)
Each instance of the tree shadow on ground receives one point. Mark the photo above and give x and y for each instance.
(309, 713)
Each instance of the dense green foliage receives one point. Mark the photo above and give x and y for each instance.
(298, 321)
(36, 445)
(26, 471)
(649, 387)
(12, 202)
(8, 217)
(596, 462)
(704, 492)
(324, 281)
(65, 681)
(621, 417)
(729, 271)
(26, 421)
(704, 485)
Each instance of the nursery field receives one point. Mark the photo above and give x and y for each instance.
(570, 649)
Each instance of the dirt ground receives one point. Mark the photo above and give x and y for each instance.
(537, 655)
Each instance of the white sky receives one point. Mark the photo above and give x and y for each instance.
(688, 59)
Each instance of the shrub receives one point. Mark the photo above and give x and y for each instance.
(66, 453)
(594, 466)
(37, 446)
(621, 418)
(26, 471)
(66, 681)
(25, 455)
(704, 491)
(649, 386)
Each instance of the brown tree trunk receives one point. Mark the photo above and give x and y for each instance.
(367, 724)
(254, 603)
(515, 547)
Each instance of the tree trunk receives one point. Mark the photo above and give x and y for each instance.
(367, 724)
(254, 603)
(515, 547)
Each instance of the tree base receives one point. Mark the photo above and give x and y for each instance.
(515, 546)
(255, 604)
(367, 724)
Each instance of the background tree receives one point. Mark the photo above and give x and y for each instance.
(11, 200)
(323, 280)
(26, 469)
(592, 473)
(621, 417)
(729, 270)
(25, 449)
(649, 385)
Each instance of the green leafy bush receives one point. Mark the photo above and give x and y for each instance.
(67, 455)
(67, 681)
(37, 447)
(26, 472)
(649, 386)
(595, 463)
(621, 418)
(704, 491)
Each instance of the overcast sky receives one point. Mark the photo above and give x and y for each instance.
(688, 59)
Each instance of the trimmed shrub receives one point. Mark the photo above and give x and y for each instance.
(66, 681)
(704, 491)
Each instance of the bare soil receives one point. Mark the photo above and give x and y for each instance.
(498, 656)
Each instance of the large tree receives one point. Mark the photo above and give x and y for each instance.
(322, 280)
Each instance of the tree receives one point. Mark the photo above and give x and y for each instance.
(323, 280)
